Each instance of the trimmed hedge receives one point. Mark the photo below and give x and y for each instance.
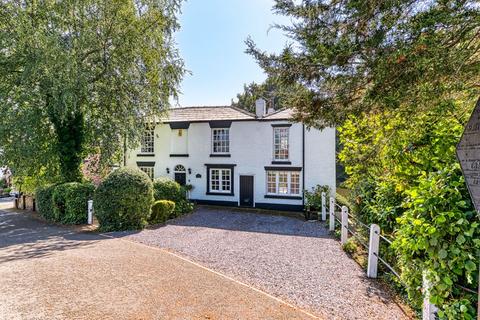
(43, 200)
(65, 203)
(162, 210)
(70, 202)
(123, 200)
(168, 189)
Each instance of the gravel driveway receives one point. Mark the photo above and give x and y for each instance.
(287, 257)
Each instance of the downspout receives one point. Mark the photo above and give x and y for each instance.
(303, 165)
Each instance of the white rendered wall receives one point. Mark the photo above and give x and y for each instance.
(251, 149)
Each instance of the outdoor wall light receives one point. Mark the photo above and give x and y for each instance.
(189, 171)
(168, 170)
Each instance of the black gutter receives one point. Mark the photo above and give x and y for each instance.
(303, 165)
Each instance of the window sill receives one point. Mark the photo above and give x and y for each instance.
(146, 155)
(281, 162)
(220, 194)
(220, 155)
(179, 155)
(275, 196)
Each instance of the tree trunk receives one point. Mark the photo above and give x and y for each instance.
(70, 137)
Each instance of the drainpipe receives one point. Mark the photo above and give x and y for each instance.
(303, 164)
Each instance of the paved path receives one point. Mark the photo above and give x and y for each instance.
(47, 272)
(290, 258)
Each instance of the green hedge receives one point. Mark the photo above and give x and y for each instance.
(65, 203)
(44, 203)
(123, 200)
(162, 210)
(168, 189)
(70, 202)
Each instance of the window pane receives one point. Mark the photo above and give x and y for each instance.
(295, 183)
(147, 141)
(283, 182)
(271, 182)
(215, 179)
(280, 143)
(148, 171)
(220, 140)
(226, 180)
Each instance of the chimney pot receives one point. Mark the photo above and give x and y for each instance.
(260, 108)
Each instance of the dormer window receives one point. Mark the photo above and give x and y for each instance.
(148, 140)
(220, 141)
(280, 143)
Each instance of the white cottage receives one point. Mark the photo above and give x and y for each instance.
(234, 158)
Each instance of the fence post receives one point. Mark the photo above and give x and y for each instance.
(90, 212)
(332, 214)
(373, 245)
(344, 230)
(324, 206)
(429, 310)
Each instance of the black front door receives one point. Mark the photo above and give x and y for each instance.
(246, 191)
(181, 178)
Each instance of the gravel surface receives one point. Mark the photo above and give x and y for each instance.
(51, 272)
(287, 257)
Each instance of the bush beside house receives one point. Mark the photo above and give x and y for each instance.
(65, 203)
(168, 189)
(123, 200)
(162, 210)
(70, 202)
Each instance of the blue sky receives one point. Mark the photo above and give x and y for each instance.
(212, 43)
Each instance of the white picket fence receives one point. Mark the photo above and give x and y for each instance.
(373, 246)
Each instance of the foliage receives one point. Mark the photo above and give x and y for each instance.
(69, 201)
(439, 234)
(271, 90)
(81, 76)
(93, 169)
(362, 56)
(123, 200)
(44, 201)
(168, 189)
(313, 198)
(404, 176)
(162, 210)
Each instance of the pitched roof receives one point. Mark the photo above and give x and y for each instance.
(208, 113)
(212, 113)
(282, 114)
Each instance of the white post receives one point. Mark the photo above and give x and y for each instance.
(90, 212)
(429, 310)
(373, 245)
(332, 214)
(324, 206)
(344, 231)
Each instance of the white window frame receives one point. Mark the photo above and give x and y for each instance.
(277, 182)
(220, 180)
(227, 146)
(148, 140)
(150, 171)
(279, 158)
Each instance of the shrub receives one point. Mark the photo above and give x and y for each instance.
(43, 198)
(123, 200)
(314, 197)
(168, 189)
(70, 202)
(161, 211)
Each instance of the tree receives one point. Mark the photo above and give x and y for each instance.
(81, 76)
(268, 90)
(361, 56)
